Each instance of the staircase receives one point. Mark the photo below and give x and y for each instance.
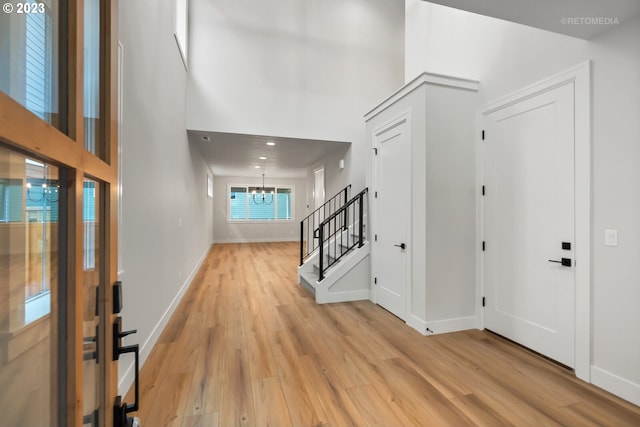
(334, 250)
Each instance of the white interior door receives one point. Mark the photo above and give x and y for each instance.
(528, 156)
(392, 205)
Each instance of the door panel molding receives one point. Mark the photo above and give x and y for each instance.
(580, 76)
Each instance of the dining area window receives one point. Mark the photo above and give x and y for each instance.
(256, 203)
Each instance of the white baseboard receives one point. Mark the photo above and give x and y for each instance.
(417, 324)
(264, 240)
(617, 385)
(443, 326)
(452, 325)
(127, 377)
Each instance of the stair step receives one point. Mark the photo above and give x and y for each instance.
(316, 266)
(308, 281)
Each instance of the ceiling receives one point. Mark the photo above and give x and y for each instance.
(231, 154)
(584, 19)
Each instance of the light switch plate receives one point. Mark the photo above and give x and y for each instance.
(611, 237)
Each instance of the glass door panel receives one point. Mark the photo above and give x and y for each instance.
(93, 277)
(93, 135)
(29, 56)
(29, 267)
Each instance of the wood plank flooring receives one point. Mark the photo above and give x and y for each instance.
(248, 346)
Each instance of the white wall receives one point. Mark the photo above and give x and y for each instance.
(334, 177)
(167, 225)
(240, 232)
(616, 205)
(505, 57)
(307, 69)
(501, 55)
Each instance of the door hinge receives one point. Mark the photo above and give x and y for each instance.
(375, 280)
(483, 301)
(483, 135)
(483, 190)
(484, 245)
(375, 237)
(375, 151)
(375, 194)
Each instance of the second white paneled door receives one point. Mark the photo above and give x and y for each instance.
(529, 230)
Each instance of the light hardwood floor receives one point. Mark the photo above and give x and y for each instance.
(249, 347)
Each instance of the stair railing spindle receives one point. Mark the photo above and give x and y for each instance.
(360, 220)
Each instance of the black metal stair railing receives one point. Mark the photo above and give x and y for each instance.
(341, 232)
(309, 239)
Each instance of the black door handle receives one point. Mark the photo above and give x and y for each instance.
(121, 409)
(566, 262)
(401, 246)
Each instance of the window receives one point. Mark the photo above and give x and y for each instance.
(41, 211)
(30, 265)
(181, 28)
(29, 212)
(253, 203)
(93, 138)
(11, 200)
(285, 205)
(38, 65)
(29, 51)
(89, 219)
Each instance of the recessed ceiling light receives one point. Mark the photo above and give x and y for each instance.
(206, 138)
(262, 158)
(271, 143)
(257, 167)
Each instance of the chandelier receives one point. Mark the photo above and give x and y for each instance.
(46, 192)
(261, 198)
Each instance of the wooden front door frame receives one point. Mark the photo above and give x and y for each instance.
(23, 131)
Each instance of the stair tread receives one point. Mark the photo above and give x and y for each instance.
(308, 283)
(310, 277)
